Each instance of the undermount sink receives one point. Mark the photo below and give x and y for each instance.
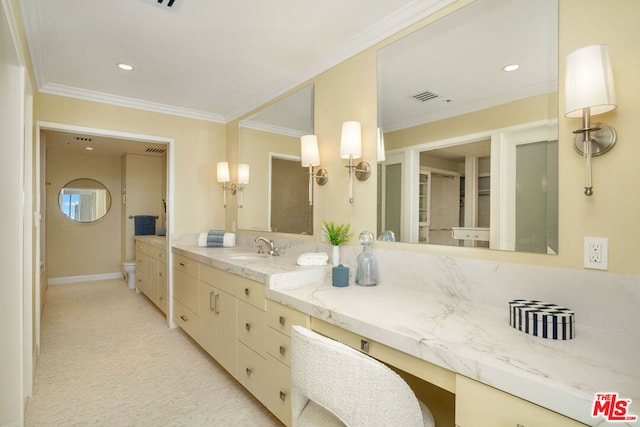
(248, 256)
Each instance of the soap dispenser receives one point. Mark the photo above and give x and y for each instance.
(366, 270)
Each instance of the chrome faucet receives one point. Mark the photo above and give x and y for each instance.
(273, 251)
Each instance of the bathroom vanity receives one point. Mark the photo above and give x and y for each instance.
(240, 310)
(151, 269)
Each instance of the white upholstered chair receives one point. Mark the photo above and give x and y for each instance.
(335, 385)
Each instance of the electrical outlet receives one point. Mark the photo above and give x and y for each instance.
(596, 253)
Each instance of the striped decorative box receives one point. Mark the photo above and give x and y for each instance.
(542, 319)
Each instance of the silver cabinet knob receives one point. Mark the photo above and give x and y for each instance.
(364, 346)
(283, 350)
(283, 396)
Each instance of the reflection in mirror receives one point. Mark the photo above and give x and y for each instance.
(278, 200)
(84, 200)
(471, 149)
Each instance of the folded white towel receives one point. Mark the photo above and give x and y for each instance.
(228, 240)
(313, 258)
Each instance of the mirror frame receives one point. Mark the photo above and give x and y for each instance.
(96, 187)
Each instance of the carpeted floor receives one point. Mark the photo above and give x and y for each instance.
(108, 359)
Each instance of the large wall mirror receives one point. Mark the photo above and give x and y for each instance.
(278, 197)
(84, 200)
(471, 148)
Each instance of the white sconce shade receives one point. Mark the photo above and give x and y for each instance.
(381, 155)
(223, 172)
(243, 174)
(351, 141)
(589, 81)
(309, 151)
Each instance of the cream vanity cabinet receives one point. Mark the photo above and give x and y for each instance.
(186, 295)
(280, 318)
(455, 399)
(218, 315)
(151, 273)
(481, 405)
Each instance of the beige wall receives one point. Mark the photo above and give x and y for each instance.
(348, 92)
(198, 146)
(76, 249)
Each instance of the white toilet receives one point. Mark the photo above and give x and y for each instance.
(129, 268)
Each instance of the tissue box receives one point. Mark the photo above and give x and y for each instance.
(542, 319)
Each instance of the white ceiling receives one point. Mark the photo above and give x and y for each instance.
(209, 59)
(217, 60)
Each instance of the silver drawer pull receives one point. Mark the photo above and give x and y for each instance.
(247, 326)
(364, 346)
(282, 320)
(185, 318)
(182, 264)
(283, 396)
(246, 291)
(248, 371)
(217, 304)
(212, 301)
(283, 350)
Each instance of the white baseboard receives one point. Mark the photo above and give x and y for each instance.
(86, 278)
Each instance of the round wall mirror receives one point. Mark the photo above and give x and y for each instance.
(84, 200)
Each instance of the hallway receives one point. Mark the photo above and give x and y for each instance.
(108, 359)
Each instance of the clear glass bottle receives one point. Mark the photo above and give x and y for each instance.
(366, 270)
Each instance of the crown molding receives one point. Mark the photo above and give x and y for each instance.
(279, 130)
(122, 101)
(390, 25)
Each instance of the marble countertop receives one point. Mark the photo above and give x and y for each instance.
(471, 339)
(159, 242)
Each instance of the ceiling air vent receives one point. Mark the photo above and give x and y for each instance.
(164, 4)
(155, 150)
(425, 96)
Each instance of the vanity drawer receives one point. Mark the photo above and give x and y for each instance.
(242, 288)
(143, 262)
(278, 390)
(186, 265)
(186, 290)
(279, 346)
(251, 371)
(471, 233)
(252, 293)
(186, 319)
(141, 247)
(251, 327)
(281, 318)
(161, 255)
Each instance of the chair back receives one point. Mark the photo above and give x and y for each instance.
(355, 388)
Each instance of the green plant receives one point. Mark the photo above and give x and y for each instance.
(336, 234)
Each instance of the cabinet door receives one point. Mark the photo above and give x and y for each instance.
(481, 405)
(218, 312)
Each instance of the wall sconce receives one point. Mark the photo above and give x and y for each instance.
(380, 152)
(310, 157)
(243, 180)
(351, 148)
(223, 178)
(589, 90)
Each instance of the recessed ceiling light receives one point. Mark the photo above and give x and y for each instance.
(88, 148)
(125, 67)
(510, 67)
